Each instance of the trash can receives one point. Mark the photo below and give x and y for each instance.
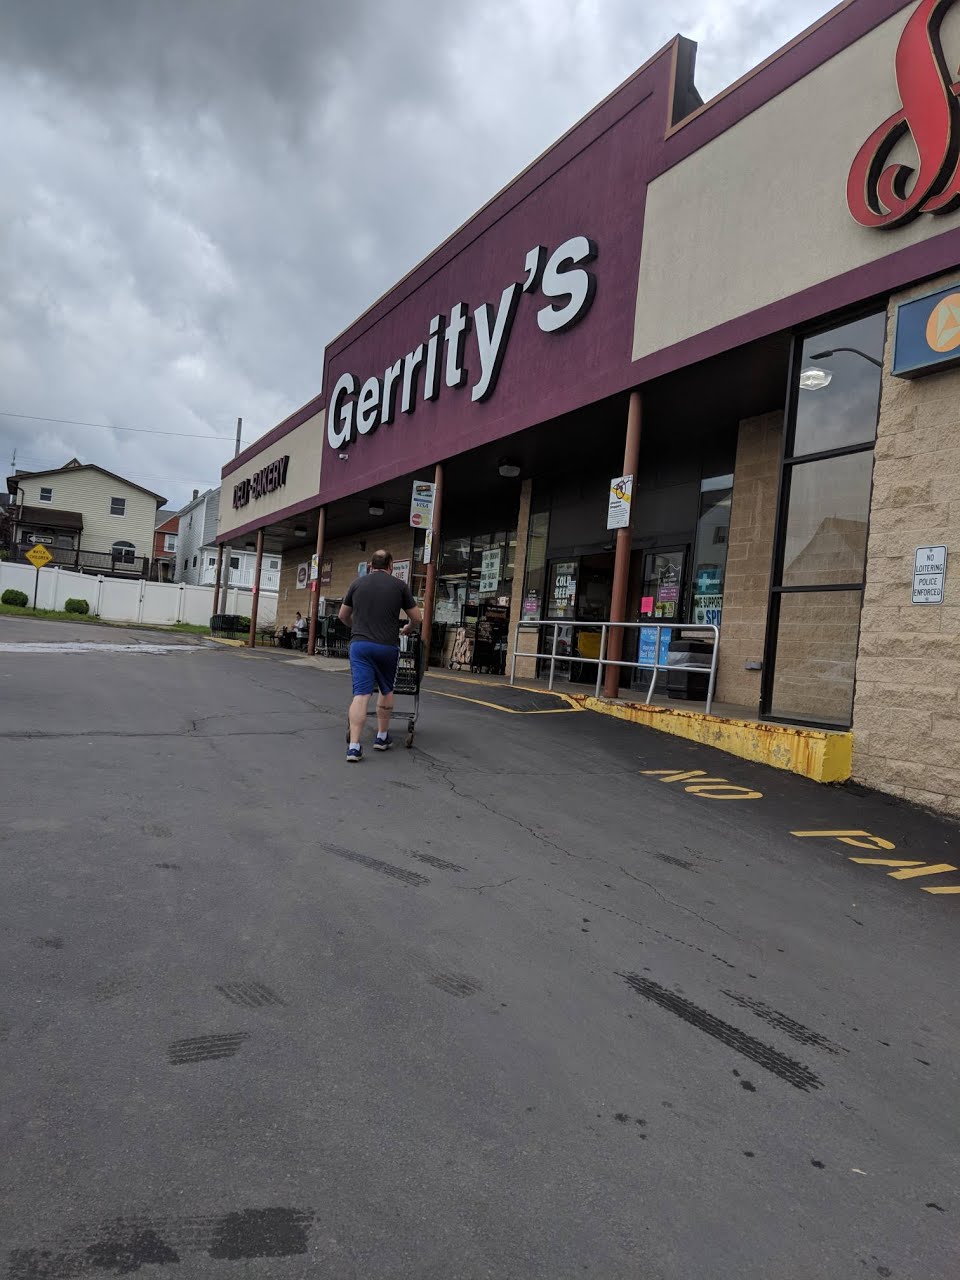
(688, 685)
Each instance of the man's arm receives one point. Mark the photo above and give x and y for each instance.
(412, 610)
(346, 609)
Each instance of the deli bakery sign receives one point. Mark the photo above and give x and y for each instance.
(267, 480)
(560, 278)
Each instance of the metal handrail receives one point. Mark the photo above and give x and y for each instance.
(603, 661)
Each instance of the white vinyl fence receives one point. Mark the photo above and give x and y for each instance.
(132, 600)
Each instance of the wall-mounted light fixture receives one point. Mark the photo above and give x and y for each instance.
(300, 532)
(343, 455)
(376, 506)
(508, 468)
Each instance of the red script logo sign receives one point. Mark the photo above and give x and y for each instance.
(877, 192)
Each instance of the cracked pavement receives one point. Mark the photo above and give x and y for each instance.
(498, 1006)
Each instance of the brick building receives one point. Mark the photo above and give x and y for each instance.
(749, 305)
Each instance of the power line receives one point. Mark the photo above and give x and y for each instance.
(107, 426)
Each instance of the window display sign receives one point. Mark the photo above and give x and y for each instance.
(401, 570)
(530, 611)
(421, 504)
(326, 572)
(647, 655)
(303, 575)
(706, 610)
(314, 567)
(618, 507)
(563, 589)
(490, 572)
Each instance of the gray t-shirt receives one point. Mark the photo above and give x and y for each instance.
(376, 600)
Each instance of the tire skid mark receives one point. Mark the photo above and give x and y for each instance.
(763, 1055)
(783, 1022)
(441, 864)
(124, 1245)
(205, 1048)
(374, 864)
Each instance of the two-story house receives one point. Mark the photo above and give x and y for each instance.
(164, 568)
(88, 518)
(197, 549)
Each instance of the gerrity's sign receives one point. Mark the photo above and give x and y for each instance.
(880, 194)
(266, 480)
(562, 277)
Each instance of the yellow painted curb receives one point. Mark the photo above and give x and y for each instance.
(825, 755)
(235, 644)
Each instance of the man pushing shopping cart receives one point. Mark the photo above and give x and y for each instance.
(372, 608)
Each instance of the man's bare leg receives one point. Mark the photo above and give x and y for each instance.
(384, 707)
(358, 716)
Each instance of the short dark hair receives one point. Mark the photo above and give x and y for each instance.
(381, 560)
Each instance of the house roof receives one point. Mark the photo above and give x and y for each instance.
(49, 517)
(74, 465)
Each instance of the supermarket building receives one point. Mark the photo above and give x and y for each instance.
(751, 305)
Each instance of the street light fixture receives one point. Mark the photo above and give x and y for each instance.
(825, 355)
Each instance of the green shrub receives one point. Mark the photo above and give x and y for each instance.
(12, 596)
(243, 623)
(77, 606)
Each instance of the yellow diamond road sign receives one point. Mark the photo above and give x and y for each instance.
(39, 556)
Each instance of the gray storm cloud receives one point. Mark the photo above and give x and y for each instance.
(199, 194)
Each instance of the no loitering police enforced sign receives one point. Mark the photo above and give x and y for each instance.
(929, 571)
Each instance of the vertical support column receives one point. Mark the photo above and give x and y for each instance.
(621, 564)
(431, 588)
(315, 584)
(255, 599)
(216, 587)
(519, 564)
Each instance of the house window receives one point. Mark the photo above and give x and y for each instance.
(211, 561)
(273, 564)
(169, 542)
(234, 562)
(118, 506)
(46, 495)
(123, 552)
(194, 562)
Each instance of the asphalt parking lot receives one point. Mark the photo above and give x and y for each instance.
(528, 1000)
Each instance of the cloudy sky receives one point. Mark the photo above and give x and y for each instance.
(199, 193)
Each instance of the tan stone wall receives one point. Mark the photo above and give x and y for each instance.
(346, 556)
(907, 710)
(749, 549)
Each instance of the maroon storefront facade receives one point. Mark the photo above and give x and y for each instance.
(689, 254)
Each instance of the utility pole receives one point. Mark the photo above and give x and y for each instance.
(239, 427)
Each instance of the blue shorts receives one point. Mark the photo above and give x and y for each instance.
(373, 666)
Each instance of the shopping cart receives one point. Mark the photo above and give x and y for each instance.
(410, 667)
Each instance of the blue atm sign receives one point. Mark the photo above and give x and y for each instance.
(927, 334)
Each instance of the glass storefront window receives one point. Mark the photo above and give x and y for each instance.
(826, 534)
(838, 397)
(710, 561)
(817, 638)
(822, 524)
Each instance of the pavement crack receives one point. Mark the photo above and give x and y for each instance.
(478, 888)
(445, 770)
(679, 905)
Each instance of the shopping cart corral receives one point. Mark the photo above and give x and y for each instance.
(410, 668)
